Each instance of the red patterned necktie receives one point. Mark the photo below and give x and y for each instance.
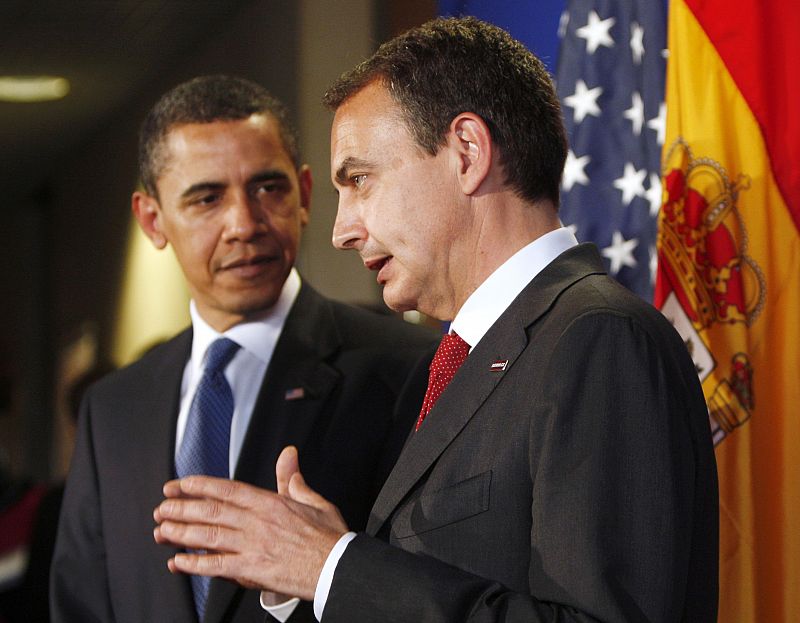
(452, 352)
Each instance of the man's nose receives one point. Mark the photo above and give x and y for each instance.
(348, 230)
(244, 219)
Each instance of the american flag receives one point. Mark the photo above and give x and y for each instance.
(610, 79)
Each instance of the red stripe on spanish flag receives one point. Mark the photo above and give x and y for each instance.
(758, 42)
(729, 276)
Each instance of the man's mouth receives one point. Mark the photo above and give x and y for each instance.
(379, 264)
(248, 265)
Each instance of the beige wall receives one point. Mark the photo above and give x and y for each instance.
(332, 40)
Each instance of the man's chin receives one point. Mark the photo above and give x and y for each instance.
(252, 307)
(398, 303)
(257, 308)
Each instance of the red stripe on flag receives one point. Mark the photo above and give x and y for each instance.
(758, 42)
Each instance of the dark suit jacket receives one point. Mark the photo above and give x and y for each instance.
(349, 428)
(578, 484)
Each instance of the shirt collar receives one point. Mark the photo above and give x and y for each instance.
(258, 337)
(488, 302)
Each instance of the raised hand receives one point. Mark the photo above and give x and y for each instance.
(272, 541)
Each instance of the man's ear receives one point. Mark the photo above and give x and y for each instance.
(148, 213)
(305, 182)
(472, 141)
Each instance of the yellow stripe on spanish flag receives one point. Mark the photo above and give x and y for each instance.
(729, 279)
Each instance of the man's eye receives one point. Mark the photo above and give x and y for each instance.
(272, 187)
(206, 199)
(268, 187)
(358, 180)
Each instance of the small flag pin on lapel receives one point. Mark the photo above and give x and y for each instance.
(499, 366)
(295, 394)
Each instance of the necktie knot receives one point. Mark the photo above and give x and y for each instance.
(451, 353)
(219, 354)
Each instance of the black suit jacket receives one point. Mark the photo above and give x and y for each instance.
(577, 484)
(349, 427)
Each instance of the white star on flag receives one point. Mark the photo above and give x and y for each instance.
(574, 171)
(637, 42)
(584, 101)
(653, 264)
(620, 252)
(563, 22)
(659, 124)
(596, 32)
(635, 113)
(631, 183)
(653, 194)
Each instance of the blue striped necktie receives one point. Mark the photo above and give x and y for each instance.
(205, 446)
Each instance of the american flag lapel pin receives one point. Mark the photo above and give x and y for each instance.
(499, 365)
(296, 393)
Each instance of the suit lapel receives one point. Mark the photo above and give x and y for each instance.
(165, 404)
(296, 385)
(152, 453)
(476, 379)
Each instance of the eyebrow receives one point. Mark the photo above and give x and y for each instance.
(269, 174)
(201, 188)
(261, 176)
(347, 165)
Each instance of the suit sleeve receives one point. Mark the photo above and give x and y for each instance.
(78, 580)
(611, 463)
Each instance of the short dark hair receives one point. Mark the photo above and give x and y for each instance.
(204, 100)
(452, 65)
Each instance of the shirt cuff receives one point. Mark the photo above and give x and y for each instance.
(326, 577)
(280, 611)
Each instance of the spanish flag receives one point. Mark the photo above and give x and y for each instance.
(729, 276)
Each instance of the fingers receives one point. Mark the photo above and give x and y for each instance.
(208, 523)
(214, 565)
(213, 537)
(172, 489)
(221, 489)
(191, 510)
(287, 465)
(205, 510)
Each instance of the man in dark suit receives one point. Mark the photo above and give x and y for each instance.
(567, 472)
(224, 186)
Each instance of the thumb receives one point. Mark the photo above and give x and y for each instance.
(287, 465)
(328, 514)
(299, 491)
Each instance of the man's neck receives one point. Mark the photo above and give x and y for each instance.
(502, 229)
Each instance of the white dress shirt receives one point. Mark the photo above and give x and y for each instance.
(476, 316)
(245, 371)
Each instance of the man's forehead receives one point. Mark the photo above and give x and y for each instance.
(205, 152)
(359, 122)
(187, 134)
(243, 139)
(373, 101)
